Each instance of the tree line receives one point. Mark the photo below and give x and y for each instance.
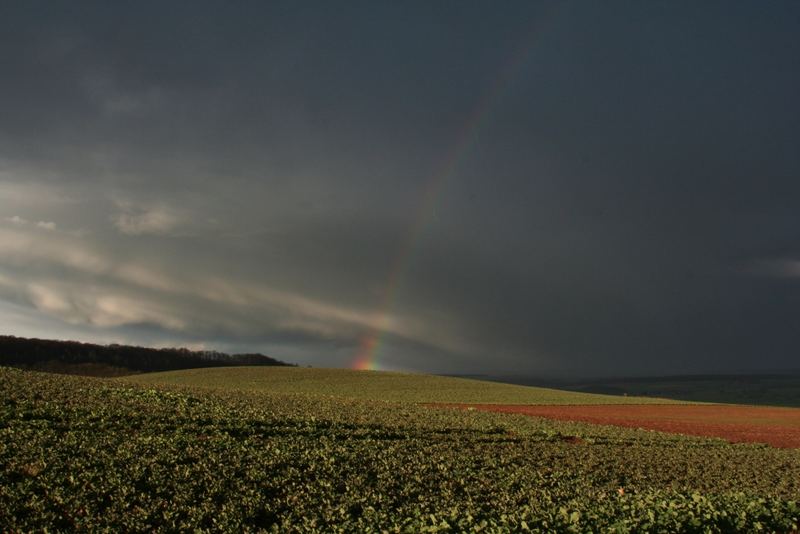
(32, 352)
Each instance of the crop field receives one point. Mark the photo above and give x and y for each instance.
(80, 453)
(779, 427)
(378, 385)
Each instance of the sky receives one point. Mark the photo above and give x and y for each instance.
(516, 188)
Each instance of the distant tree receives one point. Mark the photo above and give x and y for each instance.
(26, 352)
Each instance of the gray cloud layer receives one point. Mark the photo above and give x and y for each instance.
(244, 177)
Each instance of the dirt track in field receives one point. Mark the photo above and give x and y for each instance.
(779, 427)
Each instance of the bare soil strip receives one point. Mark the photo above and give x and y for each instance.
(779, 427)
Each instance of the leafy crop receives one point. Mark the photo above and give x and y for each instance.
(379, 385)
(91, 454)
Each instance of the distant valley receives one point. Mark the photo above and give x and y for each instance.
(775, 389)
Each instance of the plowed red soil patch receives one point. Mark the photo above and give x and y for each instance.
(779, 427)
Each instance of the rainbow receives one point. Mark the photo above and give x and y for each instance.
(370, 343)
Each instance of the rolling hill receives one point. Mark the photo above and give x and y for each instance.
(377, 385)
(90, 454)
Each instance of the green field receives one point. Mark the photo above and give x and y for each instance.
(377, 385)
(92, 454)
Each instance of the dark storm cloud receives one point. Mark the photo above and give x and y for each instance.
(246, 177)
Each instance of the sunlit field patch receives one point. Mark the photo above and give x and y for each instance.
(378, 385)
